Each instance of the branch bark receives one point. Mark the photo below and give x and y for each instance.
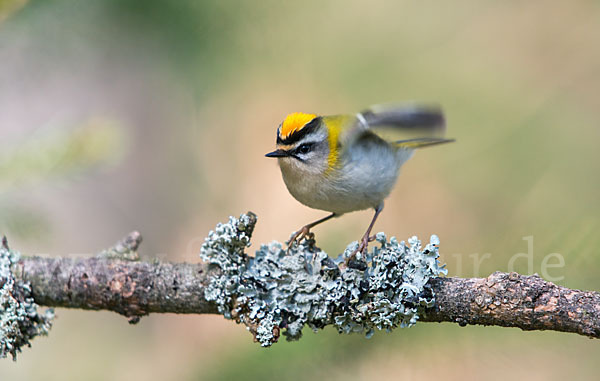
(135, 289)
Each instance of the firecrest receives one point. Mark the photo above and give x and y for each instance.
(345, 163)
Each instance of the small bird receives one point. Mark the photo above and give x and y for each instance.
(345, 163)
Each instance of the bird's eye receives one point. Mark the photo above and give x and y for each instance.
(304, 148)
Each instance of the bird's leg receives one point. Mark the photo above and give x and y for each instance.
(364, 242)
(305, 230)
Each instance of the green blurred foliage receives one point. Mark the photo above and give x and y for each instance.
(8, 7)
(51, 155)
(292, 360)
(60, 152)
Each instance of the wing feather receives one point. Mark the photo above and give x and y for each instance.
(407, 126)
(405, 122)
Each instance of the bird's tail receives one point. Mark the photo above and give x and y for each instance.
(420, 142)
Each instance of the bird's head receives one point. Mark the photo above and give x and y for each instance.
(303, 144)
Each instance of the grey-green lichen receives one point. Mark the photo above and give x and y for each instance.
(20, 321)
(125, 249)
(282, 291)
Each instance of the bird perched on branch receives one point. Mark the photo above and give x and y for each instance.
(345, 163)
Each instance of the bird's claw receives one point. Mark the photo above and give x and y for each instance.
(297, 237)
(362, 248)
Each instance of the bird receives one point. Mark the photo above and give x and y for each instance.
(350, 162)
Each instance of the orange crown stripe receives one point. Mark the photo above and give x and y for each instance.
(294, 122)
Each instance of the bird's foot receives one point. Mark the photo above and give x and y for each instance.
(362, 249)
(303, 234)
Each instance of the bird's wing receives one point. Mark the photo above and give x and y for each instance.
(406, 126)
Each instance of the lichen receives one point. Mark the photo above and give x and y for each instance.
(20, 321)
(125, 249)
(281, 290)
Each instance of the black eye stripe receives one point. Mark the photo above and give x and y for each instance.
(301, 133)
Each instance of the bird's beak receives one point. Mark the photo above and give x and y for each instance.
(278, 153)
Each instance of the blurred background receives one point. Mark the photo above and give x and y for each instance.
(121, 115)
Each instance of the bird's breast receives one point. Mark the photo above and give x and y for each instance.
(362, 179)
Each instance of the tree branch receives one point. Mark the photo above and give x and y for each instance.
(134, 289)
(513, 300)
(393, 285)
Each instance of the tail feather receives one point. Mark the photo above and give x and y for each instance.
(420, 142)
